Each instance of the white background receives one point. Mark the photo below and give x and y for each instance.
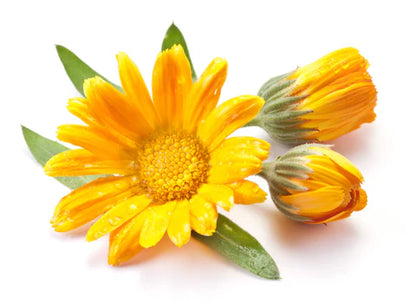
(368, 257)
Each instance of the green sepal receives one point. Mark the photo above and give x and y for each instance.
(240, 247)
(277, 90)
(285, 115)
(295, 154)
(276, 104)
(174, 36)
(280, 127)
(292, 173)
(280, 116)
(297, 165)
(77, 70)
(43, 149)
(285, 209)
(283, 182)
(271, 82)
(295, 133)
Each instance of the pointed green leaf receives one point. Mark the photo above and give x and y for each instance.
(77, 70)
(43, 149)
(240, 247)
(174, 36)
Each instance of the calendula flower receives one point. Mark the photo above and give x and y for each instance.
(313, 184)
(320, 101)
(170, 161)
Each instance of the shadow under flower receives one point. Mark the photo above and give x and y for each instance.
(165, 261)
(356, 142)
(323, 250)
(305, 237)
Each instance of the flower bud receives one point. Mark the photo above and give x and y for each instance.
(313, 184)
(320, 101)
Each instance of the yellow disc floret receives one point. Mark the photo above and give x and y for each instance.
(173, 166)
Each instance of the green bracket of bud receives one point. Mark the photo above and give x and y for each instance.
(280, 117)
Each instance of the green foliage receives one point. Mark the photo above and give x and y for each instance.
(77, 70)
(237, 245)
(174, 36)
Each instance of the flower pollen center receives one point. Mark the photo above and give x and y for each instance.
(173, 166)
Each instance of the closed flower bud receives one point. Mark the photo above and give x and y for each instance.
(320, 101)
(313, 184)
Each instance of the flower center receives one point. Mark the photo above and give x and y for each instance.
(173, 166)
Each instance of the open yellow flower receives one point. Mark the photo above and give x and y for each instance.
(170, 161)
(313, 184)
(320, 101)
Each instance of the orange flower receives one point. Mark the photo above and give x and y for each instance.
(313, 184)
(169, 157)
(320, 101)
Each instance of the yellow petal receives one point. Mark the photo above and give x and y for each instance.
(80, 162)
(327, 69)
(326, 171)
(354, 201)
(78, 106)
(247, 192)
(338, 130)
(112, 110)
(309, 184)
(242, 146)
(102, 144)
(353, 172)
(316, 203)
(171, 83)
(118, 215)
(205, 93)
(82, 108)
(156, 224)
(91, 200)
(124, 241)
(340, 107)
(179, 229)
(228, 117)
(335, 217)
(137, 95)
(236, 158)
(350, 94)
(221, 195)
(230, 168)
(362, 202)
(203, 215)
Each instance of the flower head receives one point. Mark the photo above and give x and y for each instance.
(320, 101)
(313, 184)
(169, 159)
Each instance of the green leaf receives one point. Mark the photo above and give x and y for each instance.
(43, 149)
(240, 247)
(77, 70)
(174, 36)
